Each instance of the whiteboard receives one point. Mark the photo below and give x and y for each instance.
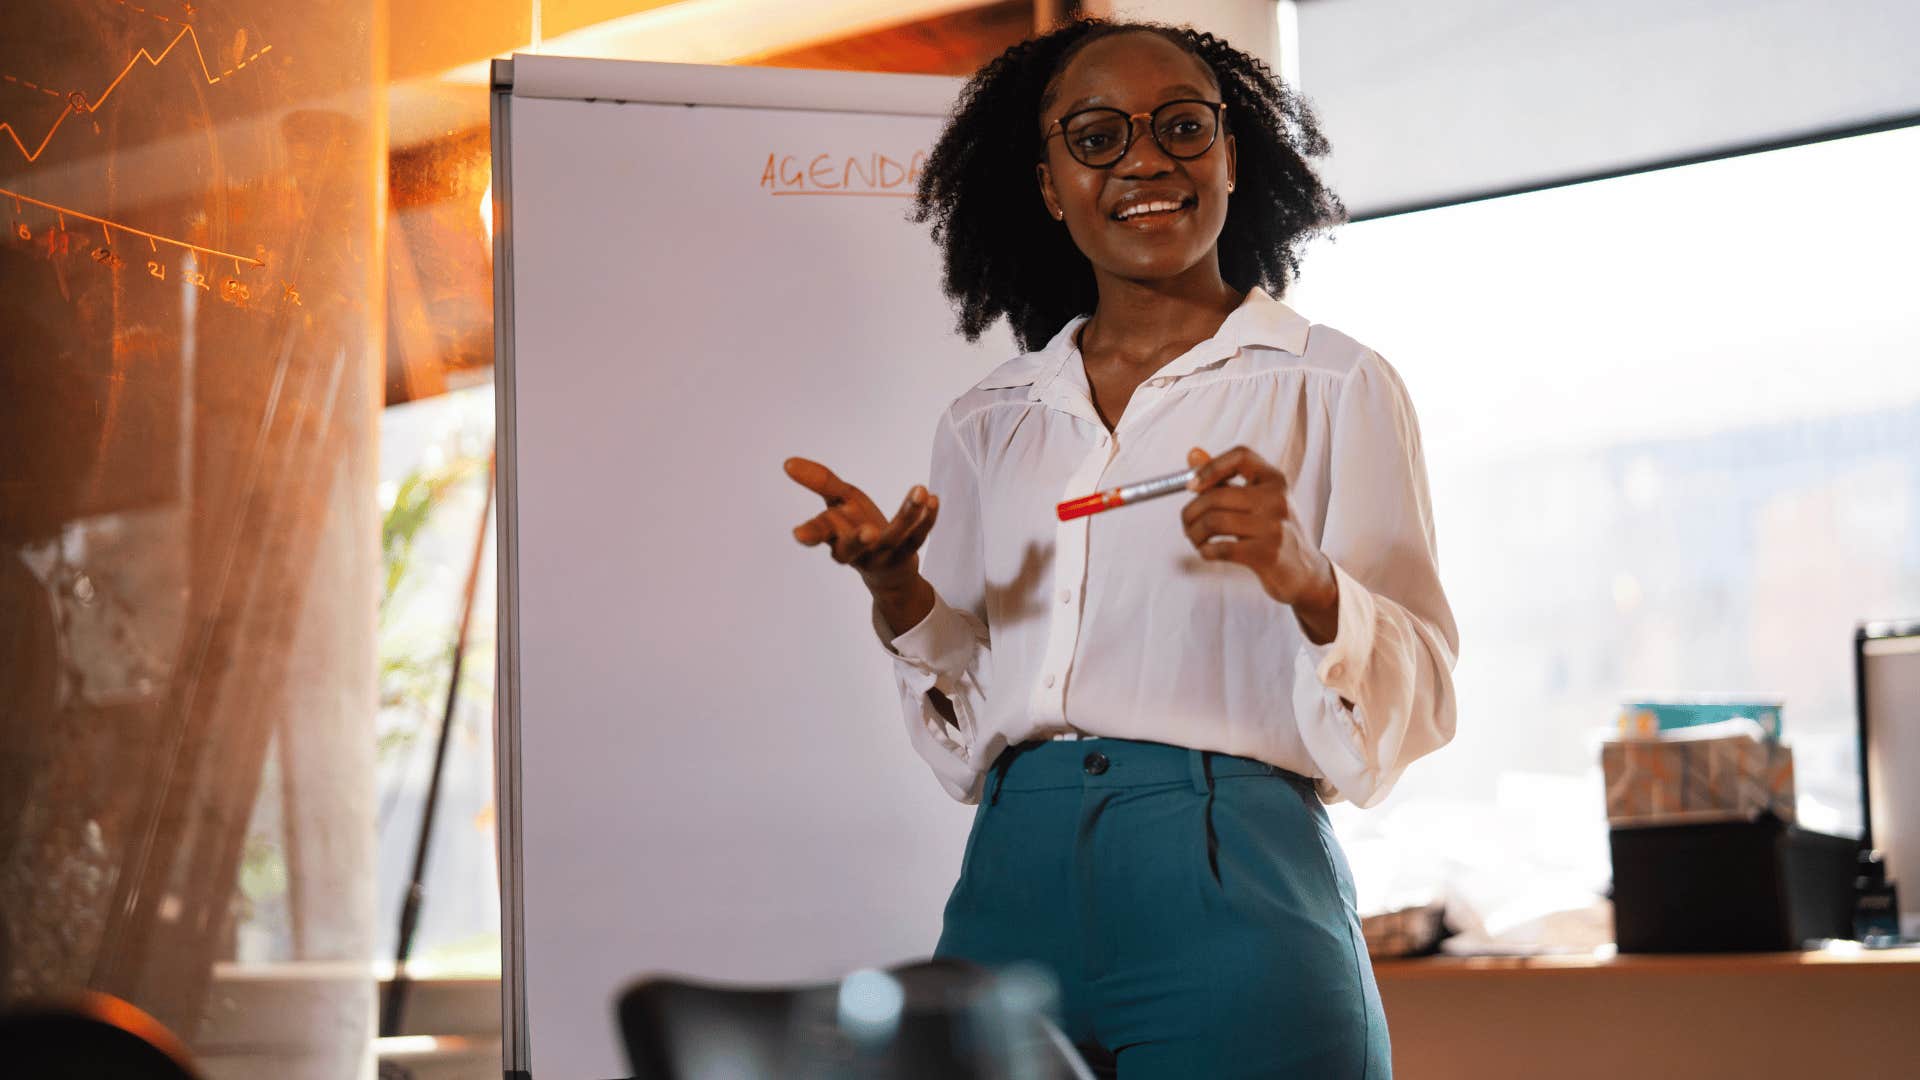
(702, 765)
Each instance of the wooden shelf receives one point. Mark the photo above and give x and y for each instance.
(1839, 958)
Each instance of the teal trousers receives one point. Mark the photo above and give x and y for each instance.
(1195, 908)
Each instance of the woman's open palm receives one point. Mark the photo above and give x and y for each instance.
(885, 552)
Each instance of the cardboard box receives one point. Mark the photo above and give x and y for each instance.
(1671, 780)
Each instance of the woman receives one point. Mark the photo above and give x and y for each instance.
(1150, 704)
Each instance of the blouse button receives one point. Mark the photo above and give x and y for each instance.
(1047, 682)
(1066, 596)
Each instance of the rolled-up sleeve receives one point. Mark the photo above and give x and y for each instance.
(1380, 694)
(948, 649)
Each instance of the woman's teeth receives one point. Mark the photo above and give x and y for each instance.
(1154, 207)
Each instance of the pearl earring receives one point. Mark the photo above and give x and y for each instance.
(1229, 187)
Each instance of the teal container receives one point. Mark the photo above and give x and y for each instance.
(1646, 719)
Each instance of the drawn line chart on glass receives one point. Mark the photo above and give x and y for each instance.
(77, 103)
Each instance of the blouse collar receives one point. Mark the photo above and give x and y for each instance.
(1259, 322)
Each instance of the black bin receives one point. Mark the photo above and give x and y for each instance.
(1730, 886)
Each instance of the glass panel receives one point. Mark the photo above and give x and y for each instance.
(190, 286)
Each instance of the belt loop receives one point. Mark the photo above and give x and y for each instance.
(996, 773)
(1197, 767)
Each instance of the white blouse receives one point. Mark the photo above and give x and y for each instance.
(1112, 625)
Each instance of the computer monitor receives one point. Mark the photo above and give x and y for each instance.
(1887, 672)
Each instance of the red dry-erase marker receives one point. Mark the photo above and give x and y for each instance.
(1121, 496)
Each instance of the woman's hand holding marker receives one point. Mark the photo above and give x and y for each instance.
(1253, 524)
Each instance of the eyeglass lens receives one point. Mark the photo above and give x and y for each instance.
(1098, 137)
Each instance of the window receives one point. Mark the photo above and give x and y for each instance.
(433, 476)
(1672, 425)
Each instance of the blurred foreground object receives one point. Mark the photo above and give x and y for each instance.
(89, 1037)
(930, 1020)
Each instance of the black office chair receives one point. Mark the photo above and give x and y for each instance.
(89, 1037)
(936, 1020)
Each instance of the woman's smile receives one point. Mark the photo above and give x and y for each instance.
(1149, 211)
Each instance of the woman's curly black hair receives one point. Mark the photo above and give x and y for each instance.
(1003, 252)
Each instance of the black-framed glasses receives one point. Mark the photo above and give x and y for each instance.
(1099, 137)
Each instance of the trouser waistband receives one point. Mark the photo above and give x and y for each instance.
(1053, 764)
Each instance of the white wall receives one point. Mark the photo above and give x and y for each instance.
(1248, 24)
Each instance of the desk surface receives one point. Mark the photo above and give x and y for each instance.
(1839, 957)
(1838, 1012)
